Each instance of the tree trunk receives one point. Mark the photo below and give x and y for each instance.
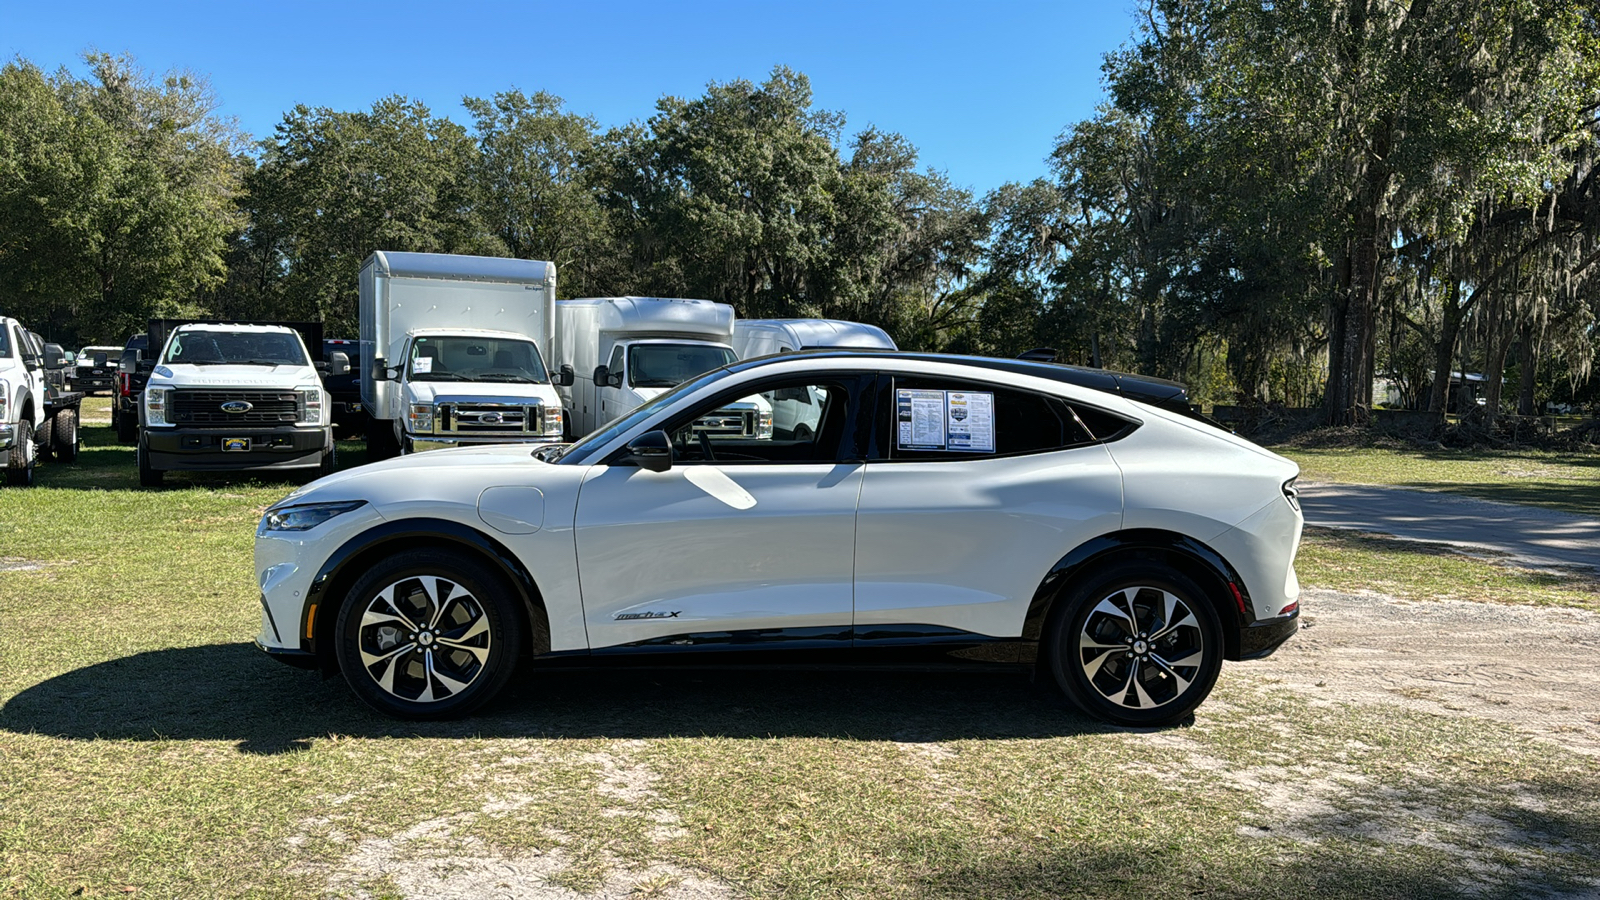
(1444, 352)
(1350, 358)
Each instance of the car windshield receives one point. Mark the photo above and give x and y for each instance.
(481, 359)
(666, 365)
(235, 348)
(586, 448)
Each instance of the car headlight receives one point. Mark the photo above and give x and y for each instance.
(155, 405)
(421, 418)
(311, 407)
(305, 516)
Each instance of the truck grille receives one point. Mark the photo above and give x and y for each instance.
(204, 408)
(727, 423)
(490, 418)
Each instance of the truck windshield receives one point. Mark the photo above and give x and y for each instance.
(587, 448)
(506, 360)
(235, 348)
(669, 365)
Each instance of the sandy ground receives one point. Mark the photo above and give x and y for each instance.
(1536, 668)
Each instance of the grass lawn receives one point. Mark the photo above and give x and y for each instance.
(148, 750)
(1566, 481)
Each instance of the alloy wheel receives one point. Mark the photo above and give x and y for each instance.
(424, 639)
(1141, 647)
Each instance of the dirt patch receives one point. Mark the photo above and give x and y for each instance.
(1531, 667)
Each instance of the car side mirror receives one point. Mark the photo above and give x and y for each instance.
(564, 376)
(602, 376)
(651, 450)
(54, 357)
(338, 363)
(380, 369)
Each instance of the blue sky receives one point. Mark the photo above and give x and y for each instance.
(982, 89)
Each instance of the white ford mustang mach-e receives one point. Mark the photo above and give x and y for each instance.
(954, 508)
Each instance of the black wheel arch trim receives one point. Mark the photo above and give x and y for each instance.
(1190, 556)
(341, 569)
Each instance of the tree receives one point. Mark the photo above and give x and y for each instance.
(333, 187)
(118, 194)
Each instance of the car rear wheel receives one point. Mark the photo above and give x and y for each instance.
(1138, 643)
(428, 635)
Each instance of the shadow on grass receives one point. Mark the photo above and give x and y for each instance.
(1333, 870)
(233, 692)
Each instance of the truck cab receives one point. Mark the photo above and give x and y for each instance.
(626, 351)
(235, 396)
(471, 386)
(455, 350)
(796, 413)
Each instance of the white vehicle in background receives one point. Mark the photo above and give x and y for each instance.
(795, 415)
(225, 396)
(455, 350)
(38, 414)
(948, 510)
(625, 351)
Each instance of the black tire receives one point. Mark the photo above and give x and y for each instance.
(400, 671)
(148, 477)
(65, 439)
(19, 462)
(127, 425)
(328, 465)
(380, 440)
(1113, 671)
(44, 440)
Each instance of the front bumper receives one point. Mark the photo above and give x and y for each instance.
(93, 382)
(201, 449)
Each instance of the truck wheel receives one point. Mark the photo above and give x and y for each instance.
(428, 635)
(127, 428)
(329, 465)
(44, 439)
(66, 436)
(148, 477)
(19, 463)
(380, 435)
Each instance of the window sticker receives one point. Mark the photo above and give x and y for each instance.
(971, 425)
(422, 365)
(959, 421)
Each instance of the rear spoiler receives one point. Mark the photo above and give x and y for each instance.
(160, 329)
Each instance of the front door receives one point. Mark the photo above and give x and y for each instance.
(742, 544)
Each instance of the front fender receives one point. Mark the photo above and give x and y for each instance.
(348, 563)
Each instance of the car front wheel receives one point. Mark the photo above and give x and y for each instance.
(428, 635)
(1137, 644)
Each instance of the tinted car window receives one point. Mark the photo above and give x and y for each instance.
(975, 421)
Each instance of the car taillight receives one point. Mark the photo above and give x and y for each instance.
(122, 384)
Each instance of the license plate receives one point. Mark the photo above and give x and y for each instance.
(235, 445)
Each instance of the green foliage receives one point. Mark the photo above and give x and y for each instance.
(117, 193)
(332, 187)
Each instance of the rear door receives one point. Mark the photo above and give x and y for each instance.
(974, 491)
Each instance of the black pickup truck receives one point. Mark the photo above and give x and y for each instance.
(349, 417)
(131, 376)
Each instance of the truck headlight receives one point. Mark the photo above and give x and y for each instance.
(421, 418)
(764, 425)
(155, 405)
(305, 516)
(553, 419)
(5, 400)
(311, 407)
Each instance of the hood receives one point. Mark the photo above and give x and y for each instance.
(183, 375)
(345, 485)
(480, 392)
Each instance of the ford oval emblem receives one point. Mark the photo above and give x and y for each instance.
(237, 407)
(491, 418)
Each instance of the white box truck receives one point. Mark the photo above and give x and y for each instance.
(796, 413)
(625, 351)
(457, 350)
